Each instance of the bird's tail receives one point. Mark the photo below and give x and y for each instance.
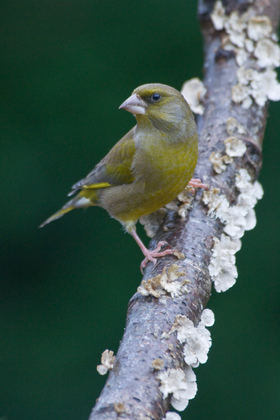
(80, 200)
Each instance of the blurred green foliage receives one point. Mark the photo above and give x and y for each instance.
(65, 69)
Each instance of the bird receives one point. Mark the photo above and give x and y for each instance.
(147, 168)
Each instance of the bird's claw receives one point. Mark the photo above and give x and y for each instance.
(196, 183)
(154, 254)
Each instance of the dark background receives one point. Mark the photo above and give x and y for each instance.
(65, 68)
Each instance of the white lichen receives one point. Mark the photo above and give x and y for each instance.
(249, 45)
(181, 384)
(218, 162)
(267, 53)
(265, 86)
(245, 76)
(171, 415)
(157, 364)
(185, 199)
(255, 45)
(259, 27)
(241, 55)
(250, 192)
(235, 27)
(217, 203)
(237, 219)
(222, 267)
(226, 44)
(218, 16)
(235, 147)
(152, 221)
(258, 85)
(107, 362)
(171, 281)
(207, 318)
(194, 91)
(241, 95)
(196, 340)
(233, 126)
(173, 205)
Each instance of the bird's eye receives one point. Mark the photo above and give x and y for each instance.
(155, 97)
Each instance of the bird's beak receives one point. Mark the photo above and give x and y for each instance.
(135, 105)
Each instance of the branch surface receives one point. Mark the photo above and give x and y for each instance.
(132, 389)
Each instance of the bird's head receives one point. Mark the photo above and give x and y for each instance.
(160, 105)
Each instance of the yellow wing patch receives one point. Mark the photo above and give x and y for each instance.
(95, 186)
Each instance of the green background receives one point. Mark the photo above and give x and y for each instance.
(65, 68)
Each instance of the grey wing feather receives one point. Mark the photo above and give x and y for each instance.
(95, 176)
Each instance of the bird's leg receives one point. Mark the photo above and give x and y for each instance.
(150, 255)
(196, 183)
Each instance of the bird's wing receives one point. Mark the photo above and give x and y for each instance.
(114, 169)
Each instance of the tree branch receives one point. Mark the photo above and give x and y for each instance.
(149, 344)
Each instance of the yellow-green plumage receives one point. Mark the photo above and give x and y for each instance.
(149, 166)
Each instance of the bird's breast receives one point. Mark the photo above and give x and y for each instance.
(161, 172)
(162, 164)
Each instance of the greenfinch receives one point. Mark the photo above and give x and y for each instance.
(148, 167)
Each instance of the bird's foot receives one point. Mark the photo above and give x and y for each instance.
(154, 254)
(196, 183)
